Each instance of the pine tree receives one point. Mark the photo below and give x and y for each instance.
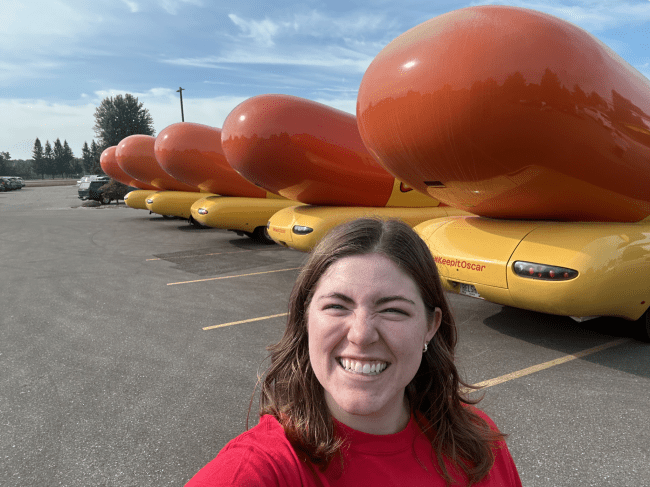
(119, 117)
(68, 159)
(39, 159)
(4, 168)
(59, 158)
(86, 159)
(95, 154)
(48, 159)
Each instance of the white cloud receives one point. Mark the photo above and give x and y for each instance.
(324, 56)
(313, 24)
(174, 6)
(170, 6)
(317, 24)
(133, 7)
(24, 120)
(30, 27)
(26, 69)
(311, 39)
(261, 31)
(591, 15)
(165, 109)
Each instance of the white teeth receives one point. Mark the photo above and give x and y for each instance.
(365, 368)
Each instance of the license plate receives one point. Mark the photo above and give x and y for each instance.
(469, 290)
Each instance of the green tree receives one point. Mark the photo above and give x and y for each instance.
(71, 165)
(59, 158)
(95, 154)
(86, 159)
(48, 159)
(39, 159)
(118, 117)
(4, 167)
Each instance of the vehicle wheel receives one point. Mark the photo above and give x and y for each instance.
(105, 200)
(197, 224)
(642, 327)
(260, 235)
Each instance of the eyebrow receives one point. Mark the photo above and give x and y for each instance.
(380, 301)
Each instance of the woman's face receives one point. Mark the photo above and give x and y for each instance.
(367, 326)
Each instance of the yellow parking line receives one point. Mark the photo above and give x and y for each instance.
(244, 321)
(230, 277)
(546, 365)
(202, 255)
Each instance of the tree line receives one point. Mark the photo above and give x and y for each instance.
(115, 118)
(57, 160)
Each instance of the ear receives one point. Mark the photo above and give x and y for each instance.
(435, 324)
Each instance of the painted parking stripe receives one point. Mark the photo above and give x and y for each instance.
(244, 321)
(231, 277)
(546, 365)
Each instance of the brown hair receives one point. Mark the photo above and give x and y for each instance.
(291, 392)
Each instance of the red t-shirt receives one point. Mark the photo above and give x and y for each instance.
(263, 456)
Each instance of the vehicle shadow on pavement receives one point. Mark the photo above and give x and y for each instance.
(565, 335)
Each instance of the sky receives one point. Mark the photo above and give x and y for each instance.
(60, 58)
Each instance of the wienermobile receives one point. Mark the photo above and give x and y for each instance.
(135, 156)
(540, 131)
(185, 166)
(311, 153)
(136, 198)
(192, 154)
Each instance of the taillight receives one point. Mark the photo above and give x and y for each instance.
(545, 272)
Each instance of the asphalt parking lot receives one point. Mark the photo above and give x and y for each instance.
(115, 371)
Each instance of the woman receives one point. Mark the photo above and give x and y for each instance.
(362, 388)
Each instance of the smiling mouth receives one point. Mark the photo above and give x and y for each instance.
(364, 368)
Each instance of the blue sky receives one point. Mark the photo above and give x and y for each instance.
(60, 58)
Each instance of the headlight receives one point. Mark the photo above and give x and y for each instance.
(301, 230)
(202, 211)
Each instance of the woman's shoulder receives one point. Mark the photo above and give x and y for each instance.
(481, 414)
(260, 456)
(504, 471)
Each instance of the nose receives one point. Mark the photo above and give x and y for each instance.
(362, 330)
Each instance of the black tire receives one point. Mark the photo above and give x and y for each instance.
(642, 327)
(196, 224)
(260, 235)
(104, 200)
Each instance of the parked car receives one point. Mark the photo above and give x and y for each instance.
(89, 190)
(86, 178)
(18, 182)
(3, 185)
(9, 182)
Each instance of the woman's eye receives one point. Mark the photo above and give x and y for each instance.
(333, 306)
(395, 310)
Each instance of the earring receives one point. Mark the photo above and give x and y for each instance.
(426, 347)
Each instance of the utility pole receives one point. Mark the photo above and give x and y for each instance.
(180, 90)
